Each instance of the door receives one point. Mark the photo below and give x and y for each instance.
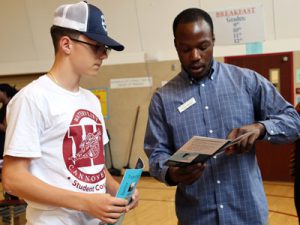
(278, 68)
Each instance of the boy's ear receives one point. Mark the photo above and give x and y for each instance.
(65, 44)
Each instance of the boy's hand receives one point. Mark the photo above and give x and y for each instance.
(104, 207)
(134, 200)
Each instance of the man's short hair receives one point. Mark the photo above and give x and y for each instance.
(192, 15)
(58, 32)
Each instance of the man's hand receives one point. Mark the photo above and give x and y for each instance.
(104, 207)
(245, 144)
(186, 175)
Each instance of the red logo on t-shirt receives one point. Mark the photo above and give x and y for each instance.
(83, 147)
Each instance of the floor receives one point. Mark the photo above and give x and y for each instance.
(157, 204)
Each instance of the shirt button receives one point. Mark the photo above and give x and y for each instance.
(269, 138)
(210, 131)
(206, 107)
(218, 182)
(202, 85)
(214, 156)
(221, 206)
(272, 132)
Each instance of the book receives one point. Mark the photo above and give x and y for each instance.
(199, 149)
(128, 184)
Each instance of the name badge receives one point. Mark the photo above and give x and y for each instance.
(186, 105)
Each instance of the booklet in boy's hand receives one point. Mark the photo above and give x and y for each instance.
(128, 184)
(200, 149)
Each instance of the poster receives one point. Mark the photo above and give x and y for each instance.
(101, 94)
(254, 48)
(298, 75)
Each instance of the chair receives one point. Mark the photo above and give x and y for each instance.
(11, 209)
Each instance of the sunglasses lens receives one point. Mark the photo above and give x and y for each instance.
(107, 50)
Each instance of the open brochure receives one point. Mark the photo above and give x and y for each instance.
(199, 149)
(128, 184)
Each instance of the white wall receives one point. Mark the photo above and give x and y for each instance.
(143, 26)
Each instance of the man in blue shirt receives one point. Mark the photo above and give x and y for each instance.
(217, 100)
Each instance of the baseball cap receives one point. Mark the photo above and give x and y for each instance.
(88, 20)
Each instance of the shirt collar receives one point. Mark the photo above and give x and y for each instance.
(210, 76)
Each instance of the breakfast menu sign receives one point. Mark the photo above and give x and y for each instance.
(238, 25)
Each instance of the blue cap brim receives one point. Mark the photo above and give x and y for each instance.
(105, 40)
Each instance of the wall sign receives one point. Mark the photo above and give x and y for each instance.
(238, 25)
(135, 82)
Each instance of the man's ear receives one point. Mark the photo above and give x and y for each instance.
(65, 44)
(175, 43)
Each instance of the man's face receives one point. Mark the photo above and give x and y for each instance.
(194, 43)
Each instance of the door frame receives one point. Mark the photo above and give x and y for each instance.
(266, 166)
(290, 64)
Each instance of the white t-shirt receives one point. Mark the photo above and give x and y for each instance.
(64, 133)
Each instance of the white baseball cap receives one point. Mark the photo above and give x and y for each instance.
(88, 20)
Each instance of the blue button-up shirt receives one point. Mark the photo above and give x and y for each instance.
(230, 191)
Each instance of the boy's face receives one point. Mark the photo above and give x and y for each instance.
(87, 55)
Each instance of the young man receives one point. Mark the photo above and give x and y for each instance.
(213, 99)
(6, 93)
(54, 157)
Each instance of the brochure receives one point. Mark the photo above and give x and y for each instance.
(200, 149)
(128, 184)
